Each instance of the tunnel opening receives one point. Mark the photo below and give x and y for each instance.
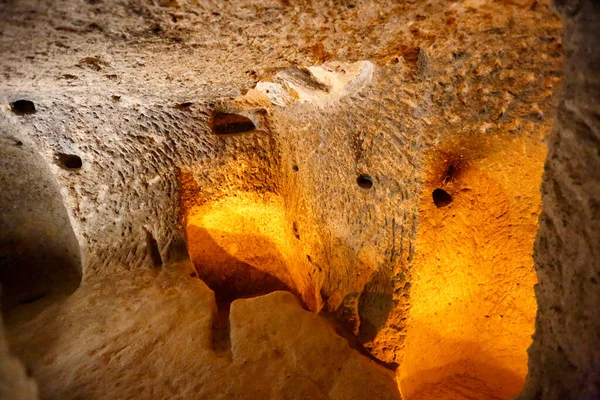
(243, 246)
(39, 252)
(473, 304)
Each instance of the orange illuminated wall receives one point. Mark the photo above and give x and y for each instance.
(243, 245)
(473, 302)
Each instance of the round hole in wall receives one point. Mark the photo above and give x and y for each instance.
(365, 181)
(441, 198)
(69, 161)
(22, 107)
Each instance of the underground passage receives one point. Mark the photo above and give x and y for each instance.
(293, 199)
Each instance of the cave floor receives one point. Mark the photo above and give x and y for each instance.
(157, 335)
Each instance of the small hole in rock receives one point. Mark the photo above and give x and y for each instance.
(22, 107)
(70, 161)
(295, 168)
(441, 198)
(364, 181)
(185, 106)
(225, 123)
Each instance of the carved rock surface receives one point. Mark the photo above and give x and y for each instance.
(564, 359)
(363, 155)
(151, 336)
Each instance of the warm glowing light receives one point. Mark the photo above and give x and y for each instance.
(473, 303)
(243, 245)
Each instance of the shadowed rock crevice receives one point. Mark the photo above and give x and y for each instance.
(153, 249)
(69, 161)
(229, 123)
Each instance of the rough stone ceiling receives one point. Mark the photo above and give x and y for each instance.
(379, 160)
(203, 47)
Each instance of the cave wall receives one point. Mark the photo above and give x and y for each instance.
(132, 88)
(40, 256)
(564, 360)
(14, 382)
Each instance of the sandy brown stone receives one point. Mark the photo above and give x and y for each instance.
(152, 336)
(14, 382)
(379, 159)
(564, 360)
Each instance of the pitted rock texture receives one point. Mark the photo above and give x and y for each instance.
(126, 95)
(564, 360)
(137, 118)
